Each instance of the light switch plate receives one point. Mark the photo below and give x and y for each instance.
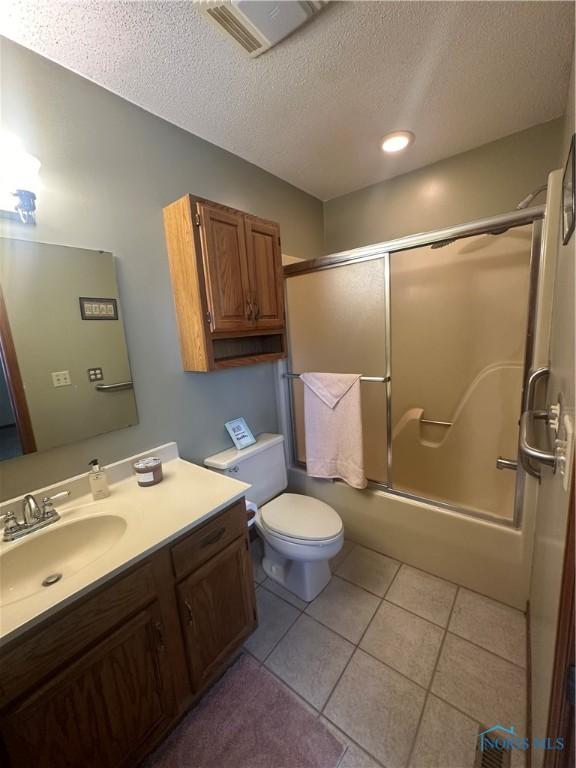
(61, 379)
(95, 374)
(566, 465)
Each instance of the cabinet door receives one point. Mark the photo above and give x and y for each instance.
(217, 610)
(265, 273)
(102, 710)
(226, 268)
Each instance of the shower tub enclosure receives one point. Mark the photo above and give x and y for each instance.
(441, 327)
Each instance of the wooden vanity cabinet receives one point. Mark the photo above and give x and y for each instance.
(102, 708)
(100, 684)
(216, 609)
(227, 281)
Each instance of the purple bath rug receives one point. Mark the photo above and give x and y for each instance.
(248, 720)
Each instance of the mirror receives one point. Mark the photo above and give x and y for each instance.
(64, 374)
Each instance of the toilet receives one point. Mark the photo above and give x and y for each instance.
(300, 534)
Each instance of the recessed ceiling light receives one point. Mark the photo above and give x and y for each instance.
(397, 141)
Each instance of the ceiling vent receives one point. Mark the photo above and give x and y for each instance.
(258, 25)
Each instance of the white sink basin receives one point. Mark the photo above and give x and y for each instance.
(55, 553)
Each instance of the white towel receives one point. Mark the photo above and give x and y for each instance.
(333, 423)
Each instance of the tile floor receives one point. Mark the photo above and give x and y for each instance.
(402, 666)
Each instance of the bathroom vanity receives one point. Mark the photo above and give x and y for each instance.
(96, 669)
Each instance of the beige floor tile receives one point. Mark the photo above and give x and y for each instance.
(404, 641)
(347, 547)
(345, 608)
(257, 553)
(494, 626)
(446, 738)
(487, 688)
(290, 597)
(310, 658)
(369, 570)
(275, 617)
(378, 708)
(424, 594)
(353, 757)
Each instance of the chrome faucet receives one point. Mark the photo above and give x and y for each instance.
(34, 516)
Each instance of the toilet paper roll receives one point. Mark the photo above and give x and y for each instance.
(251, 507)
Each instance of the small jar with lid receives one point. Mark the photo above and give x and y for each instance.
(148, 471)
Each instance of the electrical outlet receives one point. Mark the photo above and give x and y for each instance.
(61, 379)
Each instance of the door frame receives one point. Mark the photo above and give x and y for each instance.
(561, 714)
(16, 391)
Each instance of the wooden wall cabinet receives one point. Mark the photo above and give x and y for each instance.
(227, 280)
(102, 682)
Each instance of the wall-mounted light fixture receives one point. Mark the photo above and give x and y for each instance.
(18, 180)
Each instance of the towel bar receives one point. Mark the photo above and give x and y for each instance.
(379, 379)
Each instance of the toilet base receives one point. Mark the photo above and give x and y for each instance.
(304, 578)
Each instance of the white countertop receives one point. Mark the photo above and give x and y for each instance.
(154, 516)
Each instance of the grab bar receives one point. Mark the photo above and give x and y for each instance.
(118, 387)
(438, 423)
(530, 451)
(533, 378)
(379, 379)
(529, 394)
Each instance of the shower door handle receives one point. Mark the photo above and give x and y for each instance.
(529, 396)
(531, 451)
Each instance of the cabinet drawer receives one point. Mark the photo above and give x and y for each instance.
(31, 658)
(205, 542)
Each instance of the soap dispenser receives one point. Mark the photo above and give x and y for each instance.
(98, 481)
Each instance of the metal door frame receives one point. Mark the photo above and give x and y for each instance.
(385, 250)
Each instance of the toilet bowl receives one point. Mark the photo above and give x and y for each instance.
(301, 534)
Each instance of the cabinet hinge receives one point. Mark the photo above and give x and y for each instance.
(196, 219)
(209, 317)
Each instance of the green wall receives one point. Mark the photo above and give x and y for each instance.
(108, 168)
(483, 182)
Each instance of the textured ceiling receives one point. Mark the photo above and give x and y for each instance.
(313, 109)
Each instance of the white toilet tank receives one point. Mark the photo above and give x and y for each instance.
(263, 465)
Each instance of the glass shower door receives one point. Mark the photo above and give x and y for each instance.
(337, 324)
(458, 320)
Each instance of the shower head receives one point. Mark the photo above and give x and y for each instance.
(444, 243)
(525, 202)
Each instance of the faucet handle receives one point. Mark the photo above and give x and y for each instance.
(10, 522)
(48, 503)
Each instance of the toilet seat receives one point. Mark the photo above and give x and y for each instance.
(294, 518)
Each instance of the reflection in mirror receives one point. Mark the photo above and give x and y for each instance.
(65, 374)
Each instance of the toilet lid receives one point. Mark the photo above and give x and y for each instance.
(301, 517)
